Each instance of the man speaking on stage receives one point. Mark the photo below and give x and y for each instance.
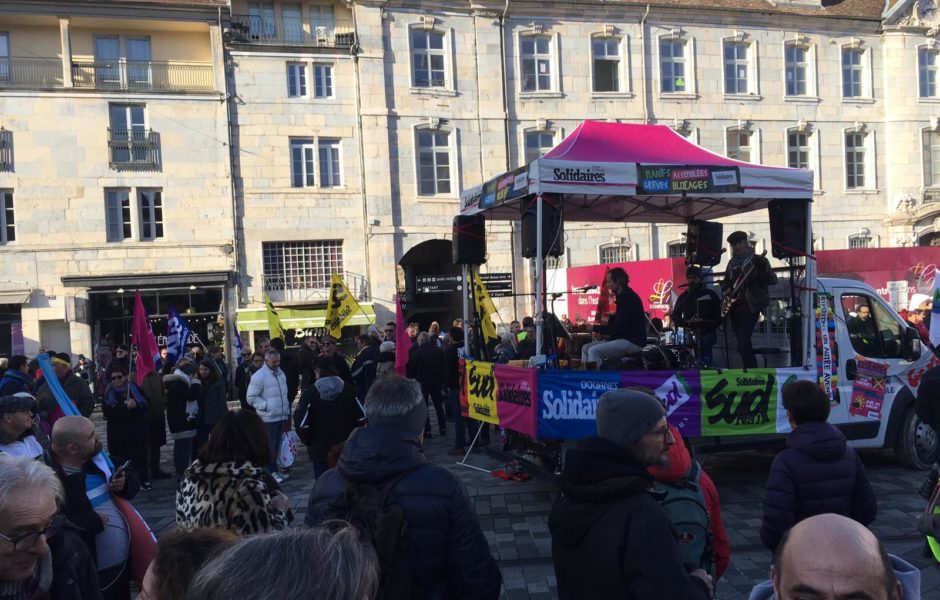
(627, 328)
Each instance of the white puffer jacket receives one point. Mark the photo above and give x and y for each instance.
(267, 393)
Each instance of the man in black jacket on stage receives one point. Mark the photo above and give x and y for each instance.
(627, 330)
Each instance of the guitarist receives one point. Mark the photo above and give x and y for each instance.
(752, 296)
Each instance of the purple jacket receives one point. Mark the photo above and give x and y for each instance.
(817, 473)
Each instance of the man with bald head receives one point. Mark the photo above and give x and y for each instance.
(89, 484)
(831, 557)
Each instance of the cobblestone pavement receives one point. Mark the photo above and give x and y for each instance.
(514, 515)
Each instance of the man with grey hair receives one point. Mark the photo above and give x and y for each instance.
(267, 394)
(444, 545)
(610, 537)
(40, 554)
(337, 565)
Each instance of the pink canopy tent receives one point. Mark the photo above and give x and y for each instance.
(608, 172)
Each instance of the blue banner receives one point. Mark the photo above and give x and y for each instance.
(177, 333)
(568, 402)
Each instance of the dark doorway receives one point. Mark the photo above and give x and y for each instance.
(424, 304)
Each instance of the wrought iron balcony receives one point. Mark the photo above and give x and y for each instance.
(254, 29)
(143, 76)
(30, 73)
(137, 149)
(286, 288)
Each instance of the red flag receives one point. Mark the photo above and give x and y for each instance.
(402, 341)
(603, 302)
(148, 353)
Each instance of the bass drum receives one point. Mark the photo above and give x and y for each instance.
(657, 358)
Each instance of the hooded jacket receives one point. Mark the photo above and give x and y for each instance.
(13, 382)
(818, 473)
(906, 573)
(680, 461)
(181, 404)
(447, 552)
(610, 537)
(267, 393)
(327, 412)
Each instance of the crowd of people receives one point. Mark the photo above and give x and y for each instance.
(637, 516)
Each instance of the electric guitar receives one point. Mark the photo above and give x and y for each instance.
(736, 292)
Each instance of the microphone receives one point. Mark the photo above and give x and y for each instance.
(586, 288)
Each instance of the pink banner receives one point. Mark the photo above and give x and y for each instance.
(516, 398)
(656, 281)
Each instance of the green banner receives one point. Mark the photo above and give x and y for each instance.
(736, 402)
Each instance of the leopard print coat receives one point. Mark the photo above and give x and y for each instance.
(228, 496)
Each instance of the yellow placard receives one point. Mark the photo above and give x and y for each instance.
(275, 330)
(341, 308)
(481, 391)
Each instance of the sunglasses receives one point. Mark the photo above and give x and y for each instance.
(116, 377)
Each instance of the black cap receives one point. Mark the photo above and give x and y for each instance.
(737, 236)
(693, 270)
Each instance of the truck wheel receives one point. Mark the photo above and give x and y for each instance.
(917, 446)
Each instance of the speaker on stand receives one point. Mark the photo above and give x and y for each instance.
(469, 245)
(553, 231)
(703, 241)
(787, 227)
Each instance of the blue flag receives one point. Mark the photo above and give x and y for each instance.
(177, 334)
(238, 341)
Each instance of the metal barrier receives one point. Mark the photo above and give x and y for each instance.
(255, 29)
(146, 76)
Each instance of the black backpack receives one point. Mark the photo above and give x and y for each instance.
(372, 510)
(684, 503)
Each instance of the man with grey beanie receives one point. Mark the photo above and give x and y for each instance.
(447, 554)
(608, 507)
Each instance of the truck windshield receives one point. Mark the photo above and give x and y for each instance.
(873, 330)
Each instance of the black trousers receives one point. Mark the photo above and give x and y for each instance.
(437, 399)
(743, 322)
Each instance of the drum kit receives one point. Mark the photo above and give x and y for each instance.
(675, 349)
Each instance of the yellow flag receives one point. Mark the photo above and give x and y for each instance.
(341, 308)
(484, 308)
(274, 322)
(482, 388)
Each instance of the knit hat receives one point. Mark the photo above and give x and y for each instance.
(62, 358)
(17, 402)
(623, 416)
(413, 421)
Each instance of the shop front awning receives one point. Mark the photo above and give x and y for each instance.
(132, 281)
(256, 319)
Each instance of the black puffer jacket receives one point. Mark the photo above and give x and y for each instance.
(447, 552)
(610, 538)
(74, 574)
(818, 473)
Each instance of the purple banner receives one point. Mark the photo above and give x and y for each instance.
(680, 392)
(516, 398)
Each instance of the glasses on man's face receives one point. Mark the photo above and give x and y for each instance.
(328, 343)
(117, 377)
(389, 331)
(27, 541)
(665, 432)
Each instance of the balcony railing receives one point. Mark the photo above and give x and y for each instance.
(252, 29)
(30, 73)
(143, 76)
(137, 149)
(284, 288)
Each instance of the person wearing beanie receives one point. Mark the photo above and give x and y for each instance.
(75, 387)
(20, 434)
(607, 508)
(443, 530)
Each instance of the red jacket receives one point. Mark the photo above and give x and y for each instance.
(679, 464)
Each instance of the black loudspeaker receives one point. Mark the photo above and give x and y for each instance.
(787, 228)
(553, 231)
(703, 241)
(469, 240)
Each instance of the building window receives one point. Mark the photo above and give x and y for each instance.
(118, 214)
(261, 24)
(129, 141)
(537, 143)
(672, 63)
(927, 72)
(536, 58)
(931, 153)
(4, 57)
(138, 62)
(428, 57)
(296, 80)
(6, 150)
(795, 67)
(301, 162)
(854, 160)
(675, 250)
(606, 64)
(739, 144)
(151, 214)
(736, 66)
(323, 81)
(859, 241)
(797, 149)
(7, 218)
(323, 23)
(852, 72)
(615, 253)
(433, 162)
(300, 265)
(292, 23)
(329, 163)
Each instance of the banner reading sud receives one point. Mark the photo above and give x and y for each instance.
(481, 391)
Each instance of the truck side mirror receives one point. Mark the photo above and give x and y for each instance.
(911, 344)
